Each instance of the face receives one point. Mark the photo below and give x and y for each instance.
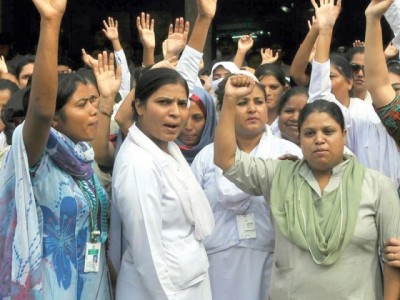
(220, 72)
(191, 132)
(164, 114)
(226, 47)
(5, 95)
(78, 118)
(322, 142)
(273, 89)
(357, 65)
(341, 86)
(251, 114)
(25, 74)
(288, 119)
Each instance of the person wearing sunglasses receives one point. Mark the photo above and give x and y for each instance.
(356, 58)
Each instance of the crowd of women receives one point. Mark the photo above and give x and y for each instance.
(240, 187)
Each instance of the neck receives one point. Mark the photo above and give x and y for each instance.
(272, 115)
(322, 178)
(345, 100)
(359, 94)
(248, 143)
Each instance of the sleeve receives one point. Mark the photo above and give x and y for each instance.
(188, 66)
(139, 206)
(392, 16)
(125, 87)
(387, 210)
(390, 116)
(251, 174)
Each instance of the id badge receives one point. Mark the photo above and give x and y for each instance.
(92, 257)
(246, 227)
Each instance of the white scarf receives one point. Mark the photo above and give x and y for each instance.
(193, 200)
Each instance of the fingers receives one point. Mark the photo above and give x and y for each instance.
(393, 242)
(170, 29)
(314, 4)
(187, 27)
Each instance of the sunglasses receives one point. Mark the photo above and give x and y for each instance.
(356, 68)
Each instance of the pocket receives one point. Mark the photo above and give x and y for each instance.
(187, 261)
(280, 282)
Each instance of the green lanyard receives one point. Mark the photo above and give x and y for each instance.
(93, 211)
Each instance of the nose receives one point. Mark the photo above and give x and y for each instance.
(295, 116)
(174, 109)
(93, 108)
(251, 107)
(188, 125)
(319, 138)
(267, 90)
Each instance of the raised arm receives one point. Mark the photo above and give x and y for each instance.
(225, 145)
(145, 26)
(376, 72)
(189, 63)
(268, 56)
(42, 100)
(244, 45)
(301, 59)
(108, 81)
(177, 38)
(327, 14)
(111, 32)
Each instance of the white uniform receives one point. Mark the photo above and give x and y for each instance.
(240, 268)
(163, 259)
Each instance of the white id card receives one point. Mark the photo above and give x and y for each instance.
(246, 227)
(92, 257)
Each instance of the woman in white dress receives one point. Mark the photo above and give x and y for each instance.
(165, 214)
(240, 258)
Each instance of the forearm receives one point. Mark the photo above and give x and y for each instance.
(188, 66)
(103, 149)
(323, 45)
(42, 100)
(300, 61)
(148, 56)
(126, 74)
(116, 44)
(199, 34)
(124, 115)
(391, 283)
(376, 72)
(239, 58)
(225, 136)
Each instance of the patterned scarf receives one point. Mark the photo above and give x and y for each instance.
(20, 235)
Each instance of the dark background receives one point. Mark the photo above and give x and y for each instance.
(263, 17)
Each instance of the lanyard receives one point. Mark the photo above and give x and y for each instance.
(92, 202)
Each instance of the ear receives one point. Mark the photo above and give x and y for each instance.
(344, 136)
(56, 121)
(138, 107)
(350, 83)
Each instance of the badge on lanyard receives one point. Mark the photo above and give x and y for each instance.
(246, 226)
(92, 256)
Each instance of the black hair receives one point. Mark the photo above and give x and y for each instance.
(220, 92)
(225, 37)
(322, 106)
(394, 67)
(27, 59)
(271, 70)
(297, 90)
(342, 65)
(14, 112)
(152, 80)
(67, 84)
(6, 84)
(353, 51)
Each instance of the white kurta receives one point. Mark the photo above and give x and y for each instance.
(239, 268)
(163, 259)
(369, 141)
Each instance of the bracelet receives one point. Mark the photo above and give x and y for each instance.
(108, 112)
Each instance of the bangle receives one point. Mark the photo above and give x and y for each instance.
(108, 111)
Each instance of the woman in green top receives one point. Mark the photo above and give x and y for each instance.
(331, 213)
